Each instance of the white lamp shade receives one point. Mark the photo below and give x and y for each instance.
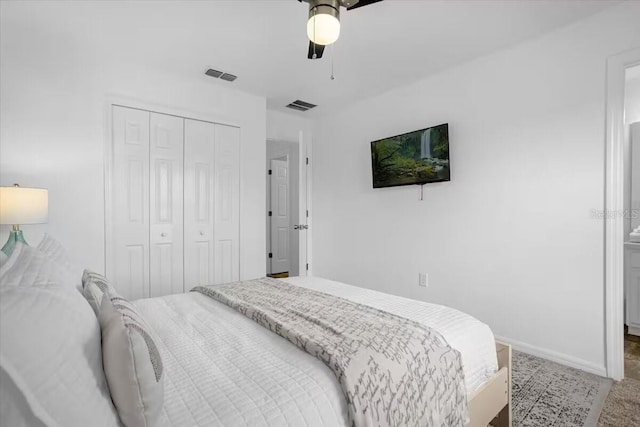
(21, 205)
(323, 28)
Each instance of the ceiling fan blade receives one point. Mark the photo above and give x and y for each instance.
(362, 3)
(319, 50)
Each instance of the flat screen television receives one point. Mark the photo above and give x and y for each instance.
(418, 157)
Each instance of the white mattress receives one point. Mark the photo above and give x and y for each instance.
(222, 368)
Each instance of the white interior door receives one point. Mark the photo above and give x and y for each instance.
(199, 139)
(280, 216)
(227, 204)
(130, 201)
(166, 231)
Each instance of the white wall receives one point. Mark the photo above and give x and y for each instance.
(634, 203)
(632, 115)
(632, 96)
(54, 89)
(512, 238)
(286, 127)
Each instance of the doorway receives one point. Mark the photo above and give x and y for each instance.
(632, 223)
(286, 210)
(616, 200)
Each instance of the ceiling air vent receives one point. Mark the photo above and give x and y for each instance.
(220, 75)
(228, 77)
(301, 105)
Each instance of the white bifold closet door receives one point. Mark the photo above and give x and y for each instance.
(166, 255)
(198, 208)
(130, 202)
(227, 204)
(212, 203)
(175, 203)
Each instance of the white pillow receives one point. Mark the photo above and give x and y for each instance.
(60, 257)
(28, 266)
(132, 363)
(50, 346)
(15, 411)
(94, 286)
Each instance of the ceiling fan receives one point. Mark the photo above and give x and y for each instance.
(323, 26)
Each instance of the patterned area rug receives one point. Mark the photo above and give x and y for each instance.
(547, 394)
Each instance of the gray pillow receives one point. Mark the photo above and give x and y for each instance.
(132, 363)
(94, 286)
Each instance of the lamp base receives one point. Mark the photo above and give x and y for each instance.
(14, 237)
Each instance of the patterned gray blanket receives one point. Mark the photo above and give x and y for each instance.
(392, 371)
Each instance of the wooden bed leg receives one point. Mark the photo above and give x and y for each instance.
(504, 417)
(491, 403)
(504, 360)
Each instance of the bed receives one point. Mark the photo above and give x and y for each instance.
(219, 367)
(255, 376)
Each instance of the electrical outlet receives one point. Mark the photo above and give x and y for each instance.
(423, 281)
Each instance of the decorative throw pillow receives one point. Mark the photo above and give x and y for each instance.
(94, 287)
(132, 362)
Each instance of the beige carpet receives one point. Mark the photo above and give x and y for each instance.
(631, 356)
(622, 407)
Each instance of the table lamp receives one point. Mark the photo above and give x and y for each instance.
(21, 205)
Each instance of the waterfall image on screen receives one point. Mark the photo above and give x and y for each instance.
(418, 157)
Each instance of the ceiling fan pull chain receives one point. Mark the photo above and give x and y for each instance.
(333, 77)
(314, 33)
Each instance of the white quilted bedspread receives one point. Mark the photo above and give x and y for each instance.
(222, 368)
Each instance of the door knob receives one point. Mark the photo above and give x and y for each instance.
(163, 234)
(202, 233)
(296, 227)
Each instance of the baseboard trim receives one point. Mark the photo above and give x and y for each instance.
(555, 356)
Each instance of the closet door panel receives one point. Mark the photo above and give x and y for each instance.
(198, 203)
(227, 204)
(166, 204)
(130, 198)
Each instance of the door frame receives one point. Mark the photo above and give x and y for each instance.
(304, 202)
(305, 158)
(614, 206)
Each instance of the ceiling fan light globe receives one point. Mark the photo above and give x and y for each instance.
(323, 29)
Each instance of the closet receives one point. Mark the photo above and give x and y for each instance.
(173, 221)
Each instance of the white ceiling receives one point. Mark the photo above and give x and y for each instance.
(382, 46)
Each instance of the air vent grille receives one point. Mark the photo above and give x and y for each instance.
(228, 77)
(301, 105)
(220, 75)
